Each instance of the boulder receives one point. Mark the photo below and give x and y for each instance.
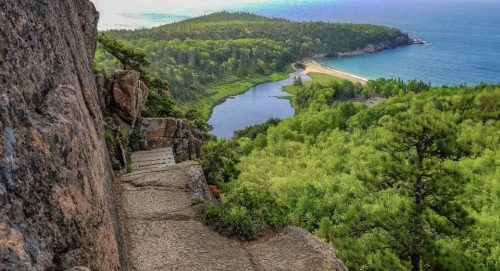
(57, 209)
(175, 133)
(128, 95)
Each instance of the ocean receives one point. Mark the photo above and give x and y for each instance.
(463, 35)
(463, 38)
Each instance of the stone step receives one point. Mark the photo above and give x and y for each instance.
(155, 162)
(160, 155)
(151, 167)
(154, 204)
(171, 177)
(184, 245)
(155, 151)
(153, 158)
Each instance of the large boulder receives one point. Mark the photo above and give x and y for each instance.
(57, 209)
(171, 132)
(128, 95)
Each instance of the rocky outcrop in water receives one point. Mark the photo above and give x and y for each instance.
(56, 203)
(373, 48)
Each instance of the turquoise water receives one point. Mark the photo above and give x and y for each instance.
(255, 106)
(463, 35)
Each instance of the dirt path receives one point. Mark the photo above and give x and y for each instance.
(165, 232)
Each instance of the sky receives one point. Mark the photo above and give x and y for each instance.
(116, 13)
(169, 6)
(131, 14)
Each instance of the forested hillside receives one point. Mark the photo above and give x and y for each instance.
(411, 184)
(199, 55)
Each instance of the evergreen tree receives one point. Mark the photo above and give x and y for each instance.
(130, 57)
(417, 164)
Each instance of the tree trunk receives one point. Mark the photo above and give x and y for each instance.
(415, 262)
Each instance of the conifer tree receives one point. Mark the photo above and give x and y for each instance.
(418, 164)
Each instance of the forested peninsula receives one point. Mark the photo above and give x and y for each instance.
(225, 53)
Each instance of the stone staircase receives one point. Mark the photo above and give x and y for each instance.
(164, 231)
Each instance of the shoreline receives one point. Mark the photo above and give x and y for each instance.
(313, 66)
(239, 86)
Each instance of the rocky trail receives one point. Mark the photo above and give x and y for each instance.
(164, 231)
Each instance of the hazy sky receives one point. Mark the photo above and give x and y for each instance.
(194, 6)
(138, 13)
(169, 6)
(117, 13)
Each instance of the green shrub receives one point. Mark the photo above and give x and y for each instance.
(114, 137)
(159, 106)
(255, 130)
(218, 159)
(230, 220)
(246, 211)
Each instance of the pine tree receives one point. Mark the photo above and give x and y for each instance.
(417, 163)
(130, 57)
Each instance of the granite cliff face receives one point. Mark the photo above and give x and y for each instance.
(56, 205)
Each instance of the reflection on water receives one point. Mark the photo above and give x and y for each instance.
(256, 105)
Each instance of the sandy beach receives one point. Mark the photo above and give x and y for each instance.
(313, 66)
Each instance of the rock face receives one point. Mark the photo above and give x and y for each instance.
(128, 95)
(159, 203)
(172, 132)
(56, 204)
(122, 96)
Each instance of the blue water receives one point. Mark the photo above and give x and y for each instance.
(464, 35)
(255, 106)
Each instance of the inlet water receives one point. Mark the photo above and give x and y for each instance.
(255, 106)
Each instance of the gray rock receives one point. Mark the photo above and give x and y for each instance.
(293, 248)
(171, 132)
(128, 95)
(78, 268)
(56, 205)
(377, 47)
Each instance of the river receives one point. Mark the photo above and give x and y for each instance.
(257, 105)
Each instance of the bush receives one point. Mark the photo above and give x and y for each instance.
(116, 141)
(255, 130)
(230, 220)
(247, 210)
(219, 158)
(159, 106)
